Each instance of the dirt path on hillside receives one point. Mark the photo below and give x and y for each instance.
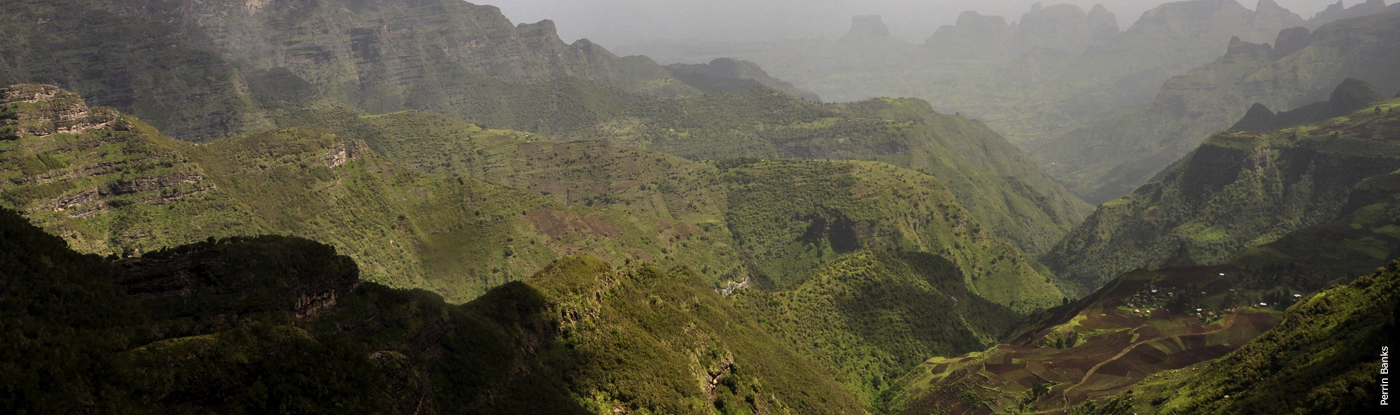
(1229, 323)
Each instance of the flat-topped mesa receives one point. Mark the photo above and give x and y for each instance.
(973, 34)
(43, 110)
(867, 28)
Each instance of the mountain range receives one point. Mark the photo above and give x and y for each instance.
(1121, 149)
(416, 206)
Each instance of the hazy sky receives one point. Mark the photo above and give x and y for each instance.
(618, 22)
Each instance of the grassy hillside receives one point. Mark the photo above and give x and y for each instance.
(271, 324)
(869, 316)
(114, 185)
(1238, 190)
(1119, 150)
(1323, 358)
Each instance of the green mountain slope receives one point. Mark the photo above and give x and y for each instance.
(117, 186)
(869, 317)
(1354, 244)
(1325, 357)
(275, 324)
(786, 217)
(1122, 149)
(989, 176)
(1239, 189)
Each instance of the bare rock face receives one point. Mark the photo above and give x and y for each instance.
(867, 28)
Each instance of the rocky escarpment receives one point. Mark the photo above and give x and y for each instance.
(202, 70)
(387, 51)
(44, 110)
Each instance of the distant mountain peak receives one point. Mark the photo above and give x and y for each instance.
(867, 27)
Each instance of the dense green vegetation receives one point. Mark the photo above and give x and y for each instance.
(123, 188)
(870, 316)
(1323, 358)
(270, 324)
(987, 175)
(1241, 189)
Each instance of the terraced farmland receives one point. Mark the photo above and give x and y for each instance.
(1143, 323)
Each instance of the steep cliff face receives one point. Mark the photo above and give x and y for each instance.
(1239, 189)
(355, 47)
(208, 69)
